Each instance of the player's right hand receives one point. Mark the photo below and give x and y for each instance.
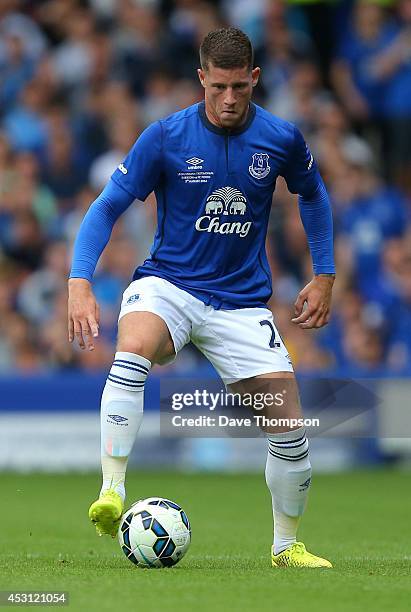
(83, 313)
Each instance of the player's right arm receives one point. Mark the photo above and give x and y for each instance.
(135, 178)
(94, 233)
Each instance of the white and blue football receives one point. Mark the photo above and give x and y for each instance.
(155, 532)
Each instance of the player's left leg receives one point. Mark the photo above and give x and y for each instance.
(247, 351)
(288, 467)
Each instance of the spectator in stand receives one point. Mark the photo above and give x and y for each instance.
(283, 49)
(355, 322)
(28, 190)
(367, 215)
(16, 69)
(25, 124)
(249, 16)
(19, 338)
(63, 171)
(189, 22)
(363, 349)
(137, 40)
(6, 185)
(123, 131)
(299, 99)
(22, 191)
(25, 242)
(394, 299)
(159, 100)
(358, 87)
(393, 67)
(73, 57)
(69, 223)
(16, 21)
(37, 293)
(333, 139)
(92, 119)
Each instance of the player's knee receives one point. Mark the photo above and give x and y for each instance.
(137, 346)
(149, 350)
(131, 345)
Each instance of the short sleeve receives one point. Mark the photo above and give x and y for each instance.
(140, 172)
(300, 172)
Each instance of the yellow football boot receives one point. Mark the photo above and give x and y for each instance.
(297, 556)
(105, 513)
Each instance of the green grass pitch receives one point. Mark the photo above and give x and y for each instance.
(360, 521)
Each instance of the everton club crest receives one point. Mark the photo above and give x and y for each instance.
(259, 168)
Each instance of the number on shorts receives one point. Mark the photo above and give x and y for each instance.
(272, 343)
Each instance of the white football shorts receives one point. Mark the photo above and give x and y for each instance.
(239, 343)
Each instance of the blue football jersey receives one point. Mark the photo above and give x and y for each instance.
(214, 191)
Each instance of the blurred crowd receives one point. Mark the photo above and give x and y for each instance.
(79, 80)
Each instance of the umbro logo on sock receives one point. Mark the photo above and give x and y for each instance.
(117, 418)
(305, 485)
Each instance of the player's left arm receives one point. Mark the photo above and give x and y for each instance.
(313, 304)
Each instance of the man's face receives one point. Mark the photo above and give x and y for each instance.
(228, 93)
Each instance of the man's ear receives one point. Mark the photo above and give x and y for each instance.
(255, 75)
(201, 76)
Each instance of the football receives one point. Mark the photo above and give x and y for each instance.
(155, 532)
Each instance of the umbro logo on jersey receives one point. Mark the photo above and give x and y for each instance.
(194, 173)
(122, 168)
(224, 201)
(194, 161)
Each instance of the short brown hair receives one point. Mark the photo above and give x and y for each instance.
(226, 48)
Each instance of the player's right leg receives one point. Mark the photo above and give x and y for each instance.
(143, 339)
(153, 327)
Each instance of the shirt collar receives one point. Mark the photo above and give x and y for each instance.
(224, 131)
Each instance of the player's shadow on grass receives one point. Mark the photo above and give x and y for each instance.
(364, 566)
(226, 563)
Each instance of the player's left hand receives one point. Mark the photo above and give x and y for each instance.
(316, 296)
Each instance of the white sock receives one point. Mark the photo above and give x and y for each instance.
(288, 476)
(121, 416)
